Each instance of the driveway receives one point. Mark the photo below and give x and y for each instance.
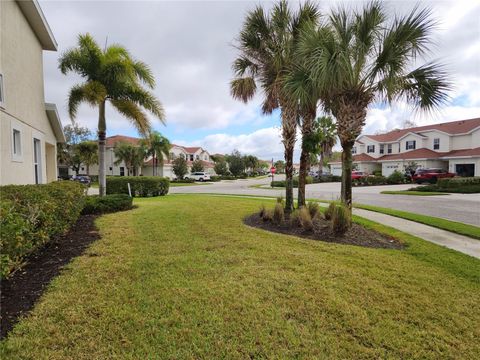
(458, 207)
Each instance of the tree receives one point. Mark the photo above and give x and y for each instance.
(133, 156)
(88, 153)
(67, 153)
(363, 57)
(326, 133)
(157, 146)
(266, 44)
(111, 75)
(221, 167)
(180, 168)
(197, 166)
(236, 163)
(279, 166)
(251, 162)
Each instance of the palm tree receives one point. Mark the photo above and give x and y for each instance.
(266, 45)
(88, 153)
(132, 156)
(158, 146)
(111, 75)
(326, 132)
(363, 57)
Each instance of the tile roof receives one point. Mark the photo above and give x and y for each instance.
(414, 154)
(111, 141)
(452, 128)
(463, 152)
(363, 157)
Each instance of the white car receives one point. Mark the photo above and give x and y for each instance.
(198, 176)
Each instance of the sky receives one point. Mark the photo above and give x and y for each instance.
(189, 45)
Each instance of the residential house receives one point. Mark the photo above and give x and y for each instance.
(29, 128)
(453, 146)
(188, 153)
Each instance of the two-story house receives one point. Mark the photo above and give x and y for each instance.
(453, 146)
(188, 153)
(29, 128)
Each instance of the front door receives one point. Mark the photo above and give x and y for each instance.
(37, 161)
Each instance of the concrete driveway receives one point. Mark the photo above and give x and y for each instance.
(458, 207)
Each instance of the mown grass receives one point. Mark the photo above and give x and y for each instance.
(412, 192)
(449, 225)
(171, 280)
(175, 184)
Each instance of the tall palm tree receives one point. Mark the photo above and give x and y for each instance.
(133, 156)
(111, 75)
(88, 153)
(266, 44)
(365, 56)
(157, 146)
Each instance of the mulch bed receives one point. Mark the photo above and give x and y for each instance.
(24, 287)
(356, 235)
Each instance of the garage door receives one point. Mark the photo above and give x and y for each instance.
(465, 169)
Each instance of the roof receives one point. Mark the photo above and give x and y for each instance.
(362, 157)
(191, 150)
(452, 128)
(205, 164)
(34, 15)
(54, 119)
(463, 153)
(413, 154)
(111, 141)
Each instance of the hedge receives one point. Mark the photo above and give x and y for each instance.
(107, 204)
(30, 215)
(327, 178)
(141, 186)
(458, 182)
(282, 183)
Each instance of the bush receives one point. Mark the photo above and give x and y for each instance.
(182, 181)
(295, 218)
(313, 208)
(278, 213)
(456, 182)
(305, 219)
(106, 204)
(282, 183)
(30, 215)
(267, 215)
(262, 210)
(141, 186)
(327, 178)
(396, 178)
(215, 178)
(341, 219)
(329, 212)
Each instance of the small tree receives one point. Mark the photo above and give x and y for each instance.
(279, 166)
(67, 153)
(180, 168)
(132, 156)
(236, 163)
(197, 166)
(88, 153)
(221, 167)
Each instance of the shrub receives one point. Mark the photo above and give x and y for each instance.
(30, 215)
(267, 215)
(106, 204)
(278, 213)
(295, 218)
(305, 219)
(327, 178)
(341, 219)
(396, 178)
(329, 212)
(182, 181)
(313, 208)
(458, 182)
(141, 186)
(280, 200)
(215, 178)
(282, 183)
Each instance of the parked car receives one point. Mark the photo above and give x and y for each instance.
(430, 175)
(198, 176)
(358, 175)
(85, 180)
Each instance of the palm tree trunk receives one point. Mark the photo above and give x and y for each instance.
(307, 127)
(346, 191)
(289, 128)
(102, 128)
(154, 165)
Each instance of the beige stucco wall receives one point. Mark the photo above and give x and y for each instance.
(462, 142)
(21, 64)
(444, 141)
(453, 162)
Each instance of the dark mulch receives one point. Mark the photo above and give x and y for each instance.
(21, 291)
(356, 235)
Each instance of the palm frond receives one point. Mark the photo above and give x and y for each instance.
(243, 88)
(132, 111)
(144, 73)
(143, 98)
(91, 92)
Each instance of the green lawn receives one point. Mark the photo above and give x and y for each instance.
(174, 184)
(414, 193)
(172, 280)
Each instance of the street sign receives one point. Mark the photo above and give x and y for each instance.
(272, 170)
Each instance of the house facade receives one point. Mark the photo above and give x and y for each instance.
(190, 154)
(29, 128)
(452, 146)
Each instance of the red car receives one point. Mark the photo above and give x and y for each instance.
(358, 175)
(430, 175)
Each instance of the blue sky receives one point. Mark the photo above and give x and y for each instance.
(188, 45)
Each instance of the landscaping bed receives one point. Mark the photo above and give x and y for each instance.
(356, 235)
(24, 287)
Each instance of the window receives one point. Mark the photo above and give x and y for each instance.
(122, 171)
(382, 148)
(436, 144)
(37, 161)
(197, 157)
(17, 143)
(389, 148)
(370, 149)
(110, 168)
(205, 158)
(354, 150)
(2, 92)
(410, 145)
(191, 157)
